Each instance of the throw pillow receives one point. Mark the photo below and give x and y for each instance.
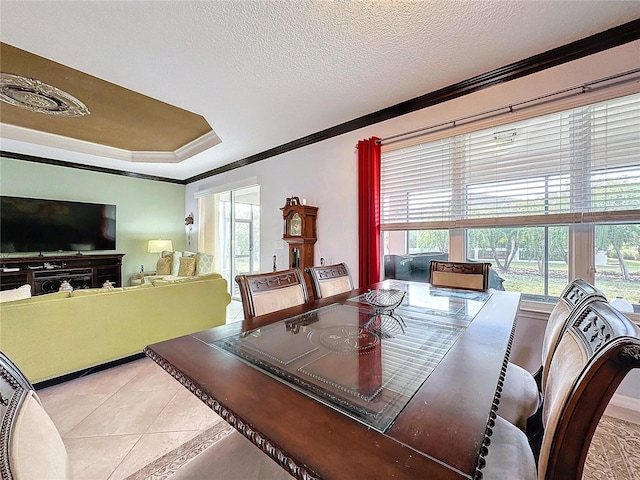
(163, 267)
(16, 294)
(204, 263)
(187, 267)
(175, 264)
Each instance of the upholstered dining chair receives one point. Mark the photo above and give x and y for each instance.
(31, 446)
(521, 391)
(269, 292)
(328, 280)
(596, 351)
(466, 275)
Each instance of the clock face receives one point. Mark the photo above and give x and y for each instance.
(295, 225)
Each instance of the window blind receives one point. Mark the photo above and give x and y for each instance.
(571, 166)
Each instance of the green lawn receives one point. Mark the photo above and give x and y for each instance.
(523, 277)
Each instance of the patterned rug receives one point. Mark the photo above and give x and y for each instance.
(614, 453)
(169, 463)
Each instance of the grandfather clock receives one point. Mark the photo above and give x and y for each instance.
(299, 232)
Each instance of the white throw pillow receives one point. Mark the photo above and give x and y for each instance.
(204, 263)
(16, 294)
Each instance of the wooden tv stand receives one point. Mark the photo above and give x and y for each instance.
(81, 271)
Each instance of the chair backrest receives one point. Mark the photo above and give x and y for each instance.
(269, 292)
(596, 351)
(465, 275)
(30, 444)
(575, 295)
(330, 280)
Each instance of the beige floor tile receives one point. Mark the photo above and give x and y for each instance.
(67, 411)
(151, 378)
(123, 413)
(148, 448)
(107, 381)
(184, 412)
(96, 458)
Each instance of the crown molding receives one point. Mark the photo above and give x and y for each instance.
(27, 135)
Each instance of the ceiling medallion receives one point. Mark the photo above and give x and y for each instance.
(39, 97)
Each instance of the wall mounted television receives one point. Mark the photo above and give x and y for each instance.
(40, 225)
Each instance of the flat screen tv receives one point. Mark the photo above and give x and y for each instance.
(39, 225)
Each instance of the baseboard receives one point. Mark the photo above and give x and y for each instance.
(87, 371)
(624, 408)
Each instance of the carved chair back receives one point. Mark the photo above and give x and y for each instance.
(30, 444)
(574, 296)
(264, 293)
(330, 280)
(464, 275)
(596, 351)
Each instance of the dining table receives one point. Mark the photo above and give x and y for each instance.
(395, 380)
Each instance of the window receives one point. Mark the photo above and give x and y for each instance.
(541, 199)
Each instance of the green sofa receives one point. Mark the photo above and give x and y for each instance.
(48, 336)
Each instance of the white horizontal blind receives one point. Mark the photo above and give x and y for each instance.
(557, 168)
(416, 183)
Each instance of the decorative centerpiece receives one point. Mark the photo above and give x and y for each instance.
(384, 300)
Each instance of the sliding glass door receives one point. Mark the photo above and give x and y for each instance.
(231, 231)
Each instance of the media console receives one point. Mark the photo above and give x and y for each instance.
(46, 273)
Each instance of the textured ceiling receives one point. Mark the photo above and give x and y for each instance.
(265, 73)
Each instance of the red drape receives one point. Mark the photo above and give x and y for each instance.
(369, 210)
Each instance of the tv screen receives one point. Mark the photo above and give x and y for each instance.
(38, 225)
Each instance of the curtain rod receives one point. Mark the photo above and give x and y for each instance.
(584, 87)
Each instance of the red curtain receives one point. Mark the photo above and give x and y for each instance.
(369, 210)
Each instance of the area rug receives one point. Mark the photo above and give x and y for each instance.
(169, 463)
(614, 452)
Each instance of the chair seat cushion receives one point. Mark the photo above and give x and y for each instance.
(509, 456)
(36, 449)
(233, 457)
(520, 397)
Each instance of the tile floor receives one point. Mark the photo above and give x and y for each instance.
(117, 421)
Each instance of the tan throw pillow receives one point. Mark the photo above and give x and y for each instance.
(187, 267)
(163, 267)
(204, 263)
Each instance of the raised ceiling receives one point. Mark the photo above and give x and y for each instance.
(263, 74)
(117, 117)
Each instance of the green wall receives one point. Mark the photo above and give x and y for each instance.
(145, 209)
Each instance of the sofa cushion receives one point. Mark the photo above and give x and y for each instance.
(163, 267)
(204, 263)
(16, 294)
(187, 267)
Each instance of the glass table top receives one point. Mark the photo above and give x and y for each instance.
(365, 364)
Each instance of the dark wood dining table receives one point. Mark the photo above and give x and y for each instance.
(341, 389)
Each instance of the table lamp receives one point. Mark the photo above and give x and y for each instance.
(158, 246)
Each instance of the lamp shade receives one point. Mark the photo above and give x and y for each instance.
(157, 246)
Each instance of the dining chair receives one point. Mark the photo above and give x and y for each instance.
(521, 393)
(466, 275)
(595, 352)
(31, 446)
(263, 293)
(328, 280)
